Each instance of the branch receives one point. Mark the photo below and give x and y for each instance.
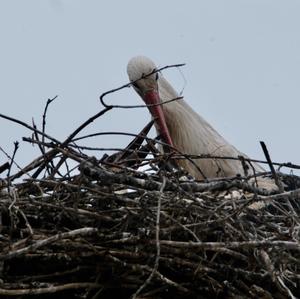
(275, 176)
(77, 232)
(107, 178)
(157, 229)
(29, 127)
(288, 245)
(132, 83)
(50, 290)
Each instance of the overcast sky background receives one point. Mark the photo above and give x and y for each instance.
(242, 68)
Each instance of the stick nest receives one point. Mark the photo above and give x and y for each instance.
(103, 229)
(106, 233)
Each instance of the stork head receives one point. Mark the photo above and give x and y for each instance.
(141, 72)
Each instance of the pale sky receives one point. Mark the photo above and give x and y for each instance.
(242, 68)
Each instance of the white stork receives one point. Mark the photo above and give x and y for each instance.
(181, 127)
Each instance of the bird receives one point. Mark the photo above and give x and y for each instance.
(182, 128)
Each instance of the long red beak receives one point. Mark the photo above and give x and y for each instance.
(152, 98)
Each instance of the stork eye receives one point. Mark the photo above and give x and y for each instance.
(156, 76)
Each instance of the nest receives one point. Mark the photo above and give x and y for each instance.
(106, 230)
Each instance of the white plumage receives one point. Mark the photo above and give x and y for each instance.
(189, 132)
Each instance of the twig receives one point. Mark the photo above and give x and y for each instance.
(267, 155)
(49, 101)
(26, 221)
(16, 146)
(182, 226)
(66, 142)
(107, 177)
(32, 165)
(36, 140)
(157, 230)
(131, 83)
(248, 244)
(29, 127)
(170, 282)
(77, 232)
(286, 290)
(4, 167)
(178, 155)
(50, 290)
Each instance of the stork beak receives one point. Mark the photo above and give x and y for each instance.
(152, 98)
